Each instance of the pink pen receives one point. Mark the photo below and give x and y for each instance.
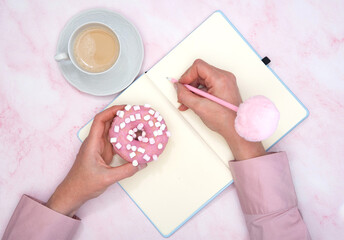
(207, 95)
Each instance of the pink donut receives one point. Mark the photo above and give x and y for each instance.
(138, 134)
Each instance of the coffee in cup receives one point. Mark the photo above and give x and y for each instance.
(96, 49)
(93, 48)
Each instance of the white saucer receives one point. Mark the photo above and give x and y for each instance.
(127, 67)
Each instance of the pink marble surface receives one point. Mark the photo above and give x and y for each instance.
(40, 113)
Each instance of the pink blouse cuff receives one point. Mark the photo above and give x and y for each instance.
(32, 220)
(264, 184)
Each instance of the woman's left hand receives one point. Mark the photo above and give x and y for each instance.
(91, 174)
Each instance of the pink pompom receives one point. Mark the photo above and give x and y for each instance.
(257, 119)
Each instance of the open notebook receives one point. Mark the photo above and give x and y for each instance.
(193, 169)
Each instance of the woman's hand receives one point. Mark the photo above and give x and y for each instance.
(221, 84)
(91, 174)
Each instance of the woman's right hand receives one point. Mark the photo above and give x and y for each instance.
(220, 119)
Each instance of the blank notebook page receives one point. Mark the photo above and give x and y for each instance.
(187, 174)
(218, 43)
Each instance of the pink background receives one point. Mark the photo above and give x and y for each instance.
(40, 113)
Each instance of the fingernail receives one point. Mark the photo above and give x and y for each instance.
(175, 86)
(142, 166)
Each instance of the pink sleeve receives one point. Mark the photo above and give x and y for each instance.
(33, 220)
(267, 197)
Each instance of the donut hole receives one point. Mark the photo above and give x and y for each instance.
(138, 133)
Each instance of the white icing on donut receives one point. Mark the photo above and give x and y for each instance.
(135, 163)
(116, 129)
(160, 146)
(132, 118)
(141, 150)
(136, 108)
(140, 126)
(132, 154)
(122, 125)
(138, 116)
(157, 124)
(146, 118)
(159, 118)
(127, 108)
(151, 112)
(118, 145)
(146, 157)
(133, 148)
(163, 127)
(151, 141)
(130, 138)
(150, 123)
(120, 114)
(128, 146)
(127, 120)
(113, 140)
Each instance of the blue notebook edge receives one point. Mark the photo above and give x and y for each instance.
(228, 184)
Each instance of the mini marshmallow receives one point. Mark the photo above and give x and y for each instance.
(163, 127)
(151, 112)
(133, 148)
(132, 118)
(138, 116)
(122, 125)
(118, 145)
(145, 140)
(143, 134)
(160, 146)
(120, 114)
(141, 150)
(150, 123)
(136, 108)
(116, 129)
(168, 134)
(128, 146)
(159, 118)
(127, 107)
(146, 118)
(131, 132)
(157, 124)
(155, 133)
(155, 157)
(135, 163)
(132, 154)
(134, 135)
(159, 132)
(146, 157)
(140, 138)
(140, 126)
(151, 141)
(127, 120)
(130, 138)
(135, 129)
(156, 114)
(147, 105)
(113, 140)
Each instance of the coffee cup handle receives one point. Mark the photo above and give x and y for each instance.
(61, 56)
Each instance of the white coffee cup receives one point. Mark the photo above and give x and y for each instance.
(69, 55)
